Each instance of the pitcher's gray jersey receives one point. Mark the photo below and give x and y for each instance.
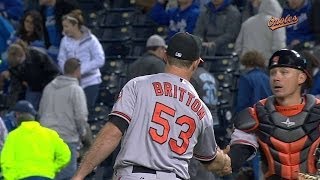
(168, 124)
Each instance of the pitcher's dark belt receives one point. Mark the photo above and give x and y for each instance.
(141, 169)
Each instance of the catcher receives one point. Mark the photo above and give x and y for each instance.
(285, 125)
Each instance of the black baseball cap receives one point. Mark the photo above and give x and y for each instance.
(25, 107)
(184, 46)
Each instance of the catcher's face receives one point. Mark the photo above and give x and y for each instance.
(286, 82)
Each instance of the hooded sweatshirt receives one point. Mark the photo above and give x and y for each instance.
(63, 108)
(256, 35)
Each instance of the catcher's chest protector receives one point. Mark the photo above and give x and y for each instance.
(288, 143)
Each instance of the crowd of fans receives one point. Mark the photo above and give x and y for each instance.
(43, 44)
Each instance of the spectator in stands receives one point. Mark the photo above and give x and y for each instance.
(253, 84)
(30, 30)
(179, 19)
(152, 61)
(207, 88)
(6, 30)
(251, 8)
(201, 3)
(12, 9)
(315, 23)
(10, 14)
(256, 35)
(314, 70)
(301, 32)
(63, 108)
(218, 25)
(4, 75)
(32, 68)
(32, 152)
(52, 12)
(80, 43)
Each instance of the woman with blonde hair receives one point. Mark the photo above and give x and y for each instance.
(78, 42)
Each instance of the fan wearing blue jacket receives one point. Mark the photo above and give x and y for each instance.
(11, 9)
(179, 19)
(253, 84)
(300, 32)
(314, 70)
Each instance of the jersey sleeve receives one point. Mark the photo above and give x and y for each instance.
(125, 103)
(206, 147)
(245, 123)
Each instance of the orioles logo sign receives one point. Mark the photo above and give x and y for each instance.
(276, 23)
(275, 60)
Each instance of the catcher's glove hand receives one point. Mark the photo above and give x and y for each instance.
(221, 165)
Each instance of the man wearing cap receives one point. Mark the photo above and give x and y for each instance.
(152, 61)
(285, 125)
(32, 152)
(162, 123)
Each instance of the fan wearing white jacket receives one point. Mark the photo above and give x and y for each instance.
(79, 43)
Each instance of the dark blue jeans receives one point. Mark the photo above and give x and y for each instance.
(34, 98)
(67, 172)
(36, 178)
(91, 95)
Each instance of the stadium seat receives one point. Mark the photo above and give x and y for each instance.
(142, 19)
(121, 3)
(137, 49)
(116, 49)
(116, 17)
(221, 63)
(113, 66)
(115, 34)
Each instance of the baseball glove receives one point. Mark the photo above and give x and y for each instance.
(221, 165)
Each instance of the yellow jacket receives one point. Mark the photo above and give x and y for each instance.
(33, 150)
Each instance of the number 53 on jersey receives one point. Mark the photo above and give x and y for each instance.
(162, 137)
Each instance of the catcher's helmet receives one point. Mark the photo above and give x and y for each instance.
(288, 58)
(291, 59)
